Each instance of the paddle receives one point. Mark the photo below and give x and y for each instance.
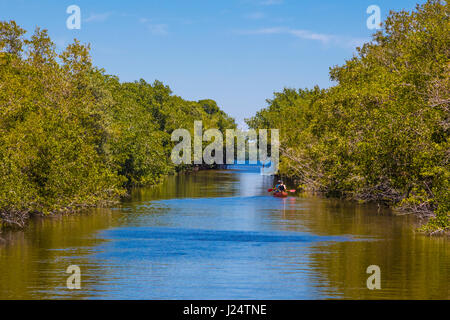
(270, 190)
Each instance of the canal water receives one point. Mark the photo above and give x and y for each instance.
(221, 235)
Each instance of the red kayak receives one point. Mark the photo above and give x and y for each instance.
(280, 194)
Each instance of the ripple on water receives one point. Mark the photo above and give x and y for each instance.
(156, 233)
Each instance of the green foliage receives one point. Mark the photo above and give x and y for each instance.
(72, 136)
(381, 133)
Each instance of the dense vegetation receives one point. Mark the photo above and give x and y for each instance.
(72, 136)
(381, 133)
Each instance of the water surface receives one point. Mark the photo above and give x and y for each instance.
(220, 235)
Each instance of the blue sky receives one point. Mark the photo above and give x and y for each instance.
(237, 52)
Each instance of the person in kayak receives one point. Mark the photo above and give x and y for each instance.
(280, 187)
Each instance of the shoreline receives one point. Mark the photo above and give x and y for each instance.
(104, 203)
(419, 223)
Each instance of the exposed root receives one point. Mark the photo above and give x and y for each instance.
(16, 219)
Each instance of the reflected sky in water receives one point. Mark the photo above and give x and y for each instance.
(221, 235)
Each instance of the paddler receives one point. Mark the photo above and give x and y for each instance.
(280, 186)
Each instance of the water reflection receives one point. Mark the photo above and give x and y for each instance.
(220, 235)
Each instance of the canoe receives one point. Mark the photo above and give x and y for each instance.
(280, 194)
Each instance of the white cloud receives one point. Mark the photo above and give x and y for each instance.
(98, 17)
(156, 29)
(255, 15)
(270, 2)
(275, 30)
(327, 39)
(305, 34)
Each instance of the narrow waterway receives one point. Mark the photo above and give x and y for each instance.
(221, 235)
